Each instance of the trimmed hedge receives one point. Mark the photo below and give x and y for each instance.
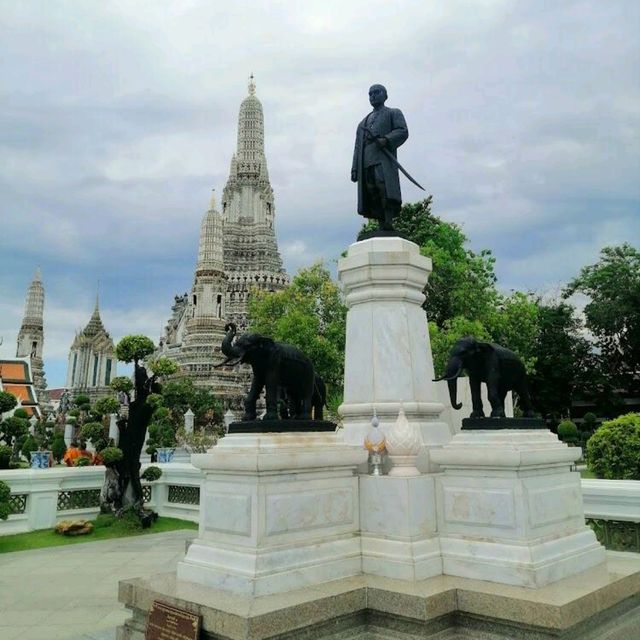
(613, 451)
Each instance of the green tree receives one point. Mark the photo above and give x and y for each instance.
(180, 394)
(443, 338)
(107, 405)
(13, 432)
(7, 401)
(134, 348)
(309, 314)
(561, 350)
(462, 282)
(513, 322)
(613, 312)
(122, 488)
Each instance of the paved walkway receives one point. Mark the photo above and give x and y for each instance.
(72, 592)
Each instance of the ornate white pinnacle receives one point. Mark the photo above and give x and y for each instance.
(252, 85)
(212, 202)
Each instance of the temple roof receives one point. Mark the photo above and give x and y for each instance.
(94, 333)
(15, 378)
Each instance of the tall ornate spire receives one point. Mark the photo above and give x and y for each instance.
(210, 245)
(95, 325)
(34, 303)
(251, 132)
(31, 334)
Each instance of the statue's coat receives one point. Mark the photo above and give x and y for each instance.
(391, 125)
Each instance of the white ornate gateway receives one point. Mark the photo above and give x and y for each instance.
(237, 252)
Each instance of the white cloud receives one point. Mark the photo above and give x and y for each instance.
(118, 118)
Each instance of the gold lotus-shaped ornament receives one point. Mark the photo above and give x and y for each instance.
(374, 440)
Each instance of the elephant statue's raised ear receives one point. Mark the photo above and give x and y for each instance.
(265, 342)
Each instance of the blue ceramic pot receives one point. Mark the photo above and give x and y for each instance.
(40, 459)
(165, 454)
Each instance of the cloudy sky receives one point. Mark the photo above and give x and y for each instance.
(117, 118)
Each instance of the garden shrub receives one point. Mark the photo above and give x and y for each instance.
(5, 456)
(568, 432)
(151, 473)
(21, 413)
(613, 451)
(82, 461)
(96, 433)
(111, 455)
(589, 422)
(5, 506)
(58, 448)
(30, 444)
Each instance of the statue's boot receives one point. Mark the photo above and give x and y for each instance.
(386, 223)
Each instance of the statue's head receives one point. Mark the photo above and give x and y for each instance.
(377, 95)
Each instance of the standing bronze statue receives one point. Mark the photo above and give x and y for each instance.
(375, 166)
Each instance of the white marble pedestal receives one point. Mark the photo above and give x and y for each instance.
(398, 527)
(278, 512)
(510, 508)
(388, 361)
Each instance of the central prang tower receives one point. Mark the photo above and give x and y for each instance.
(237, 254)
(251, 257)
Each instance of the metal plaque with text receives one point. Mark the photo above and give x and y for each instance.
(169, 623)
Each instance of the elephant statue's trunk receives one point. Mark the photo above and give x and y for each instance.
(227, 346)
(454, 369)
(453, 388)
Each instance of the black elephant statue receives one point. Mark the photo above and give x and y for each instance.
(499, 368)
(318, 401)
(275, 365)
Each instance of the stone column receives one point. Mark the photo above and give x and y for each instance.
(188, 421)
(68, 433)
(388, 361)
(113, 428)
(229, 417)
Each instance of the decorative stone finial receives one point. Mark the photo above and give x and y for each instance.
(252, 85)
(403, 445)
(212, 203)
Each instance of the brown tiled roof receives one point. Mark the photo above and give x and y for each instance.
(23, 392)
(14, 371)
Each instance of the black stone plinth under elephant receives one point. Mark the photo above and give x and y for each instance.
(275, 365)
(499, 368)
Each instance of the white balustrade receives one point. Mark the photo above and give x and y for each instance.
(49, 493)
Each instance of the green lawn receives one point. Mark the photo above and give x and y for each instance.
(105, 528)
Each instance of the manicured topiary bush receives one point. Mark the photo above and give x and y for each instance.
(7, 401)
(5, 507)
(589, 422)
(151, 473)
(5, 456)
(30, 444)
(82, 461)
(58, 448)
(568, 432)
(96, 433)
(111, 455)
(613, 451)
(21, 413)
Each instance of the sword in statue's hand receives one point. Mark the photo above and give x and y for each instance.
(393, 159)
